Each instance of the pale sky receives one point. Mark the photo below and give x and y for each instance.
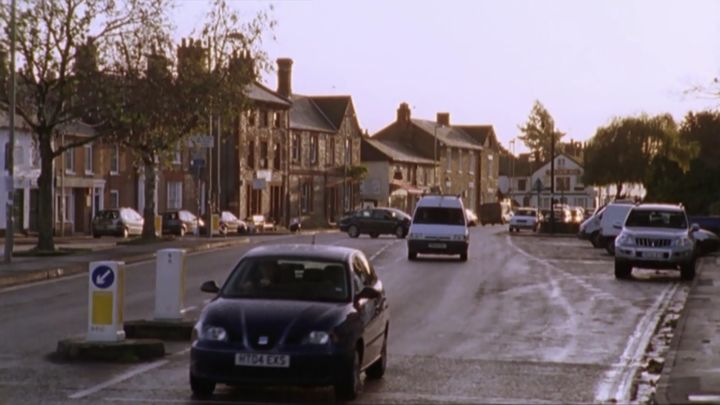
(485, 62)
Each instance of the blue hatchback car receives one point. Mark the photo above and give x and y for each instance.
(293, 315)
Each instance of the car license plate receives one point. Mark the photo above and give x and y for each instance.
(437, 245)
(262, 360)
(653, 255)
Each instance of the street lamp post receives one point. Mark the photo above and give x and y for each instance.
(10, 209)
(552, 181)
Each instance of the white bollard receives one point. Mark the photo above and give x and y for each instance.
(106, 299)
(169, 284)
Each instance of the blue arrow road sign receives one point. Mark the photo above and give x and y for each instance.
(103, 276)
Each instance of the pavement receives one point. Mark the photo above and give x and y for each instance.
(27, 269)
(691, 374)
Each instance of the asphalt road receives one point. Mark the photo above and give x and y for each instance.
(526, 319)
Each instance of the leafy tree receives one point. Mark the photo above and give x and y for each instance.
(160, 97)
(698, 188)
(625, 150)
(539, 131)
(52, 36)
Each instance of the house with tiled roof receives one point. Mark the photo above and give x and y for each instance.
(465, 156)
(324, 151)
(396, 174)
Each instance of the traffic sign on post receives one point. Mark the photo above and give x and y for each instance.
(200, 141)
(106, 300)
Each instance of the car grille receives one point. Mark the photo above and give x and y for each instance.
(431, 237)
(647, 242)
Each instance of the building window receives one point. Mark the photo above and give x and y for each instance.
(449, 160)
(115, 160)
(330, 151)
(313, 149)
(174, 195)
(563, 184)
(522, 184)
(114, 199)
(295, 148)
(428, 177)
(252, 118)
(264, 155)
(490, 165)
(251, 155)
(88, 158)
(460, 161)
(70, 161)
(177, 155)
(276, 156)
(473, 163)
(306, 200)
(561, 162)
(263, 118)
(277, 119)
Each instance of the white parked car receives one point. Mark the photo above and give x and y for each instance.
(525, 218)
(439, 226)
(614, 214)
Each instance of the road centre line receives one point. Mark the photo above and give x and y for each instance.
(383, 249)
(126, 376)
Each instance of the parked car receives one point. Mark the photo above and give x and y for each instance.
(375, 222)
(525, 218)
(293, 315)
(439, 226)
(494, 213)
(229, 224)
(121, 222)
(181, 222)
(590, 228)
(615, 213)
(706, 241)
(655, 236)
(577, 215)
(259, 223)
(472, 219)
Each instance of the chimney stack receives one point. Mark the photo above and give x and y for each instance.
(284, 76)
(443, 119)
(403, 113)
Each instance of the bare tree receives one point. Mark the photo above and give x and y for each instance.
(61, 54)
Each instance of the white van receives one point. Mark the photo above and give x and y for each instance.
(611, 223)
(439, 226)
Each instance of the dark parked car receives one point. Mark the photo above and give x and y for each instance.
(180, 222)
(376, 222)
(117, 222)
(293, 315)
(229, 224)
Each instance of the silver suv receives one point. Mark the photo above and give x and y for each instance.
(655, 236)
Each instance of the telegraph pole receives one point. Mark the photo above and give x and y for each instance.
(10, 208)
(552, 181)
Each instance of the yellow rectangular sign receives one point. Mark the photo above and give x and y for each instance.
(102, 308)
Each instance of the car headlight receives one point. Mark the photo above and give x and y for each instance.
(625, 240)
(683, 241)
(459, 237)
(208, 332)
(317, 337)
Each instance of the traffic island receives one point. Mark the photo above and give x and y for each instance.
(124, 351)
(172, 330)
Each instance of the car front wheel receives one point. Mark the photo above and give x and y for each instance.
(349, 386)
(687, 271)
(200, 387)
(353, 231)
(622, 270)
(376, 370)
(463, 256)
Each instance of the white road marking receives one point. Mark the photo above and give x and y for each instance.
(174, 401)
(126, 376)
(618, 379)
(704, 398)
(118, 379)
(383, 249)
(190, 308)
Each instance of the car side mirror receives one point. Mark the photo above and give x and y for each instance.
(367, 293)
(617, 225)
(694, 227)
(210, 287)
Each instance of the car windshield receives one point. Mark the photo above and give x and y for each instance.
(289, 279)
(656, 219)
(439, 215)
(108, 214)
(525, 213)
